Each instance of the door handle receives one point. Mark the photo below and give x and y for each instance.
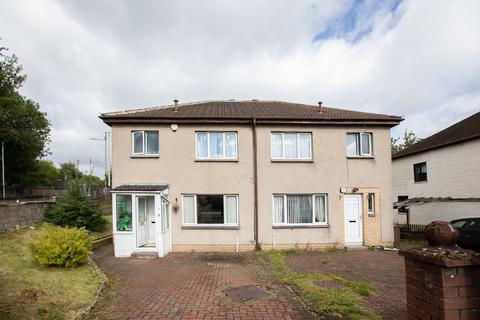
(352, 220)
(152, 221)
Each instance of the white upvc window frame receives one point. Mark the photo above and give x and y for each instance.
(224, 224)
(209, 156)
(298, 134)
(285, 223)
(144, 146)
(358, 136)
(372, 209)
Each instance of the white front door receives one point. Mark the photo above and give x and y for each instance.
(165, 218)
(353, 219)
(141, 221)
(151, 219)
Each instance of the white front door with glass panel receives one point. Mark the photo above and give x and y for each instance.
(141, 221)
(353, 219)
(165, 220)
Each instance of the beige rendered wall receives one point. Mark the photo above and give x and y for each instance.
(329, 171)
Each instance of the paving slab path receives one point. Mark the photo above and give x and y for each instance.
(189, 286)
(384, 269)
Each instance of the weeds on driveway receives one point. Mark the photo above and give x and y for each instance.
(323, 293)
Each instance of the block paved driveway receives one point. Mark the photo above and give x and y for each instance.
(189, 286)
(384, 269)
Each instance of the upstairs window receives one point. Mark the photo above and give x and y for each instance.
(359, 144)
(420, 171)
(216, 145)
(145, 143)
(291, 146)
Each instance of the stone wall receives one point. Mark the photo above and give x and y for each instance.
(14, 215)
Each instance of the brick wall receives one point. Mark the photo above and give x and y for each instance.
(442, 290)
(13, 215)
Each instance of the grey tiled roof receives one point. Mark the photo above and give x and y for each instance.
(141, 187)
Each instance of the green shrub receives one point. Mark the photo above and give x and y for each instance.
(76, 209)
(64, 247)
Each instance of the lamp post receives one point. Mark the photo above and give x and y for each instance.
(107, 174)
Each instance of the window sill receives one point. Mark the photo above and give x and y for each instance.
(139, 156)
(292, 160)
(360, 157)
(216, 160)
(420, 182)
(297, 226)
(206, 227)
(372, 214)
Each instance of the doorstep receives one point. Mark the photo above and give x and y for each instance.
(145, 255)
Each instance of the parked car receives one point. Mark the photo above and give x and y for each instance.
(469, 232)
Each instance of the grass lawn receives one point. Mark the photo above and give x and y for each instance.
(345, 299)
(31, 291)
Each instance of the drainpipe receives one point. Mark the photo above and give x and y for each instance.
(255, 184)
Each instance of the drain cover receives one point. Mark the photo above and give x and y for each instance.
(245, 293)
(328, 284)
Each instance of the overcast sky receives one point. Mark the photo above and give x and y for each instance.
(417, 59)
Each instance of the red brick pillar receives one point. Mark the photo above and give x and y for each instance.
(442, 283)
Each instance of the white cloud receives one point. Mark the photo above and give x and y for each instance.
(85, 57)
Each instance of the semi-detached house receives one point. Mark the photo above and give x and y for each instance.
(239, 175)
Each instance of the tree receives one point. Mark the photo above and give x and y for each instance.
(409, 138)
(44, 174)
(76, 209)
(69, 171)
(25, 129)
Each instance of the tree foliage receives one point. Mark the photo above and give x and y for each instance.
(25, 129)
(400, 143)
(76, 209)
(45, 173)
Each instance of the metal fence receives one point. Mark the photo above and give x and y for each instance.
(412, 232)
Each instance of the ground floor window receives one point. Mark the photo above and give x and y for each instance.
(299, 209)
(123, 211)
(371, 203)
(210, 209)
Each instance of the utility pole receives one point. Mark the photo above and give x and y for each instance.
(3, 171)
(107, 173)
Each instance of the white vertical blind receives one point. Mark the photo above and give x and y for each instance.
(277, 145)
(290, 141)
(299, 209)
(138, 142)
(352, 144)
(230, 209)
(304, 145)
(320, 209)
(278, 209)
(216, 145)
(230, 145)
(152, 142)
(188, 209)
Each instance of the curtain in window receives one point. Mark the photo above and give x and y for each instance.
(278, 210)
(231, 209)
(202, 144)
(230, 145)
(277, 145)
(290, 141)
(216, 144)
(299, 208)
(320, 209)
(365, 143)
(304, 145)
(138, 142)
(152, 142)
(188, 209)
(352, 144)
